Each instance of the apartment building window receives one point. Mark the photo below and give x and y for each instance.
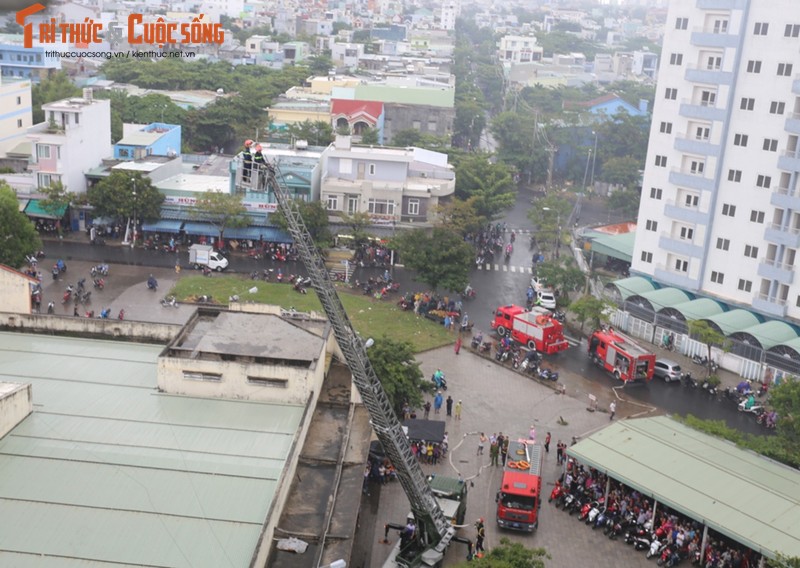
(352, 204)
(729, 210)
(791, 30)
(372, 169)
(77, 118)
(697, 167)
(784, 69)
(656, 192)
(723, 244)
(776, 108)
(753, 66)
(708, 98)
(661, 161)
(756, 216)
(770, 145)
(676, 59)
(46, 180)
(702, 133)
(671, 93)
(720, 26)
(681, 23)
(647, 256)
(415, 124)
(687, 233)
(751, 251)
(714, 63)
(380, 207)
(735, 175)
(19, 101)
(681, 265)
(761, 28)
(747, 103)
(413, 206)
(763, 181)
(717, 277)
(332, 202)
(691, 200)
(43, 151)
(202, 376)
(740, 140)
(666, 128)
(745, 285)
(651, 225)
(19, 123)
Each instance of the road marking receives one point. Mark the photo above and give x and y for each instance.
(513, 269)
(506, 268)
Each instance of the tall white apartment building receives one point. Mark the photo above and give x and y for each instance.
(720, 208)
(450, 11)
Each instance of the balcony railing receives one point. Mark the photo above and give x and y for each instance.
(779, 227)
(766, 298)
(779, 265)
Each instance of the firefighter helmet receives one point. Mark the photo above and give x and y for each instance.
(248, 143)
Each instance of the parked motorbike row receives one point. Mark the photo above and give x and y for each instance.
(627, 515)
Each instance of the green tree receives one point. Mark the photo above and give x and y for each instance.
(123, 195)
(359, 224)
(782, 561)
(319, 64)
(509, 555)
(623, 135)
(369, 137)
(702, 331)
(399, 372)
(564, 278)
(488, 183)
(411, 137)
(315, 218)
(626, 202)
(17, 232)
(591, 309)
(785, 399)
(54, 88)
(317, 133)
(622, 171)
(461, 216)
(549, 216)
(441, 258)
(223, 210)
(57, 198)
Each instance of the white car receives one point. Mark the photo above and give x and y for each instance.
(547, 299)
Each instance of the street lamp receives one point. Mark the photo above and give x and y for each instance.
(133, 241)
(594, 158)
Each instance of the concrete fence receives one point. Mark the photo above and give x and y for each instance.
(111, 328)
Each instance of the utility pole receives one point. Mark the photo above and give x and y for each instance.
(551, 150)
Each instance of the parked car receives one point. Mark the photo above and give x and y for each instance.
(547, 299)
(668, 370)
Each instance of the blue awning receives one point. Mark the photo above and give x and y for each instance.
(269, 234)
(198, 229)
(163, 225)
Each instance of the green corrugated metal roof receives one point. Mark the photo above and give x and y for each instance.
(699, 308)
(439, 97)
(616, 246)
(666, 298)
(633, 286)
(738, 493)
(34, 209)
(770, 333)
(792, 344)
(109, 470)
(734, 320)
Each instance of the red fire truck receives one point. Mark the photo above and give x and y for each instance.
(536, 329)
(519, 498)
(621, 356)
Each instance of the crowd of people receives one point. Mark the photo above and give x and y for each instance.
(680, 536)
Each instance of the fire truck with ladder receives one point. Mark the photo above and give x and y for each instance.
(621, 356)
(520, 494)
(433, 533)
(537, 329)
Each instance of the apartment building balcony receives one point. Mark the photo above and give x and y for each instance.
(796, 84)
(707, 37)
(690, 144)
(701, 110)
(787, 236)
(690, 180)
(785, 199)
(773, 270)
(770, 306)
(708, 76)
(792, 124)
(789, 161)
(721, 4)
(680, 211)
(669, 275)
(675, 244)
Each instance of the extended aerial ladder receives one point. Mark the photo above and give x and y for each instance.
(433, 532)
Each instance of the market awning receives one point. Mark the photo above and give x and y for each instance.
(196, 229)
(428, 430)
(694, 309)
(658, 299)
(163, 226)
(634, 285)
(269, 234)
(767, 334)
(23, 203)
(735, 492)
(733, 321)
(616, 246)
(34, 209)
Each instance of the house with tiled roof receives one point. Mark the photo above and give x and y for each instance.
(357, 116)
(608, 105)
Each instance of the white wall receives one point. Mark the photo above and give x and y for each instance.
(16, 296)
(16, 402)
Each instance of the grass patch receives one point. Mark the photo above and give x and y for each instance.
(370, 317)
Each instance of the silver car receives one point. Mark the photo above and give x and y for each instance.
(667, 370)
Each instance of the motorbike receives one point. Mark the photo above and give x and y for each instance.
(85, 298)
(67, 294)
(152, 284)
(703, 362)
(750, 405)
(169, 302)
(440, 382)
(594, 512)
(547, 375)
(99, 283)
(709, 388)
(502, 353)
(689, 381)
(656, 548)
(469, 293)
(100, 269)
(51, 307)
(61, 265)
(486, 347)
(298, 287)
(104, 313)
(121, 315)
(559, 316)
(516, 360)
(766, 419)
(556, 492)
(586, 509)
(477, 340)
